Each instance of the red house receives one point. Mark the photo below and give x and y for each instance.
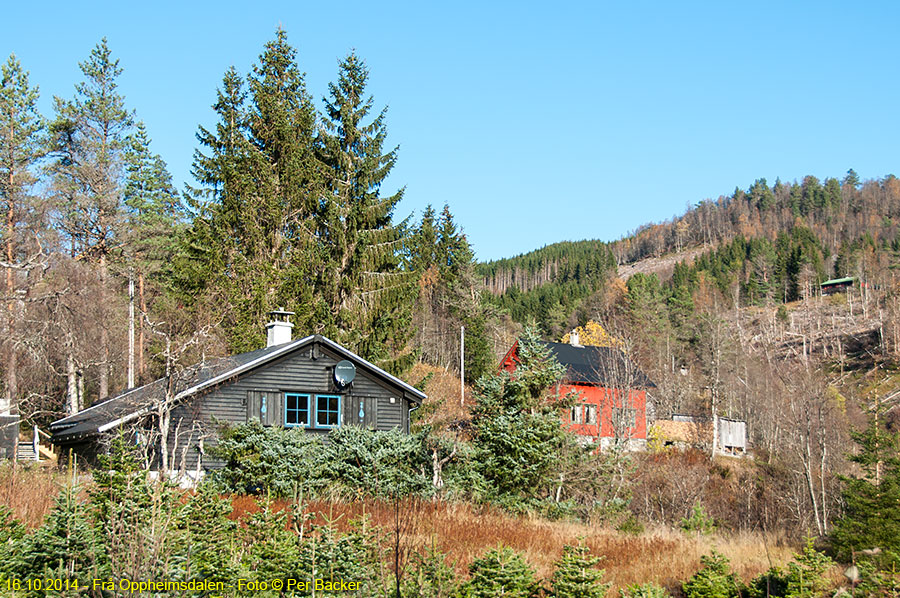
(612, 402)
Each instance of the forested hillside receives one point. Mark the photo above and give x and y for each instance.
(769, 243)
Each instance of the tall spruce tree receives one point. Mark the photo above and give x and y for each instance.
(152, 207)
(366, 299)
(155, 219)
(20, 129)
(252, 243)
(212, 265)
(282, 123)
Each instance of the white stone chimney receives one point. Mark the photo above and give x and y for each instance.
(575, 339)
(279, 329)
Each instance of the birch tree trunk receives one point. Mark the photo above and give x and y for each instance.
(72, 385)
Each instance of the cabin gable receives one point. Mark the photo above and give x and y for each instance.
(290, 386)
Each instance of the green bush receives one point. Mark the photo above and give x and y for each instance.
(577, 576)
(279, 461)
(501, 572)
(287, 462)
(714, 580)
(385, 464)
(644, 590)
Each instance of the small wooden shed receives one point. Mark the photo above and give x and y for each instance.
(836, 285)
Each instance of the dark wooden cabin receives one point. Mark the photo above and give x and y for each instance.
(837, 285)
(312, 383)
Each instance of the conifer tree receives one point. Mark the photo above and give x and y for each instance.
(253, 242)
(644, 590)
(282, 127)
(155, 221)
(20, 150)
(90, 137)
(450, 296)
(212, 265)
(501, 572)
(516, 422)
(365, 299)
(272, 550)
(152, 206)
(715, 579)
(576, 575)
(430, 576)
(64, 547)
(808, 573)
(871, 517)
(211, 537)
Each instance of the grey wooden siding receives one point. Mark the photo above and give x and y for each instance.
(306, 371)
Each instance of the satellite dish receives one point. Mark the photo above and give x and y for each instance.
(344, 373)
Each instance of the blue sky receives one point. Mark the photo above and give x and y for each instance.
(535, 123)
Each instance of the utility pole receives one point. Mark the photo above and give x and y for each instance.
(462, 365)
(130, 329)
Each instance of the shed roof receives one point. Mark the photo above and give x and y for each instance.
(138, 402)
(833, 281)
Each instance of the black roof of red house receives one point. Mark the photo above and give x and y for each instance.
(600, 366)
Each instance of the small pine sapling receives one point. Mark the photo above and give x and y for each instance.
(807, 573)
(430, 576)
(577, 576)
(500, 572)
(715, 579)
(644, 590)
(698, 521)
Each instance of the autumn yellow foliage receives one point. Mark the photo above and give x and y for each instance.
(593, 334)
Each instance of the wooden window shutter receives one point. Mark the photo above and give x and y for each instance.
(264, 406)
(276, 408)
(361, 411)
(252, 405)
(370, 415)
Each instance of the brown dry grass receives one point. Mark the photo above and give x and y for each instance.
(29, 491)
(465, 532)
